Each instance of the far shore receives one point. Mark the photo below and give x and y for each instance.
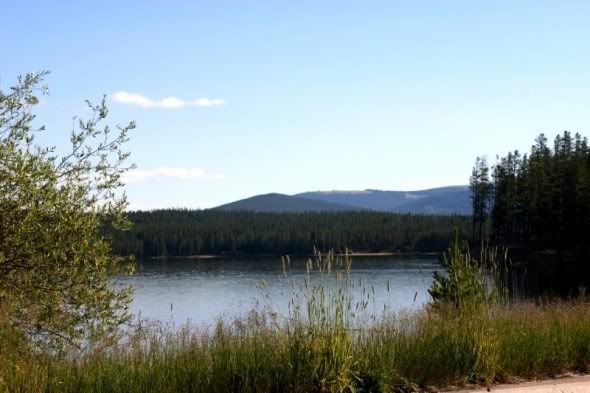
(352, 254)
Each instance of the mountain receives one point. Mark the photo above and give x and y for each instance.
(284, 203)
(444, 200)
(450, 200)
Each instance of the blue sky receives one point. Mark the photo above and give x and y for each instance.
(306, 95)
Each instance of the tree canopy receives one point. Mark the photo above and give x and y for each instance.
(542, 199)
(55, 265)
(178, 232)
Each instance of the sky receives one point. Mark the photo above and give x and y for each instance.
(237, 98)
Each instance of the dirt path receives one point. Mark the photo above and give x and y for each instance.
(577, 384)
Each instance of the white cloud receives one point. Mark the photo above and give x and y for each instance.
(137, 99)
(139, 175)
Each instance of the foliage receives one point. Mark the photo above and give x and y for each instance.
(190, 232)
(469, 283)
(401, 353)
(54, 264)
(542, 200)
(462, 285)
(481, 189)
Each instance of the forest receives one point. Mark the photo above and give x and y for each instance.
(539, 200)
(181, 232)
(535, 201)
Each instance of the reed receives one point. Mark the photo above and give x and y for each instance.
(330, 341)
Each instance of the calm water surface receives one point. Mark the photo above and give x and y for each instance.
(201, 291)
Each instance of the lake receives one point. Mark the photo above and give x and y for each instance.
(175, 291)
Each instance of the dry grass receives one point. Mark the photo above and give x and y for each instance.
(321, 347)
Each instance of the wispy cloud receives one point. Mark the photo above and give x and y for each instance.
(139, 175)
(140, 100)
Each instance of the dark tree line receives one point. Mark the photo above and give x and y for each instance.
(190, 232)
(539, 200)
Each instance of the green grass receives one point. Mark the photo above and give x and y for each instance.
(322, 347)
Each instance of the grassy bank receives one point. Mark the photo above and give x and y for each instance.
(399, 354)
(326, 343)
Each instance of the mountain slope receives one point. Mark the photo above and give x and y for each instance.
(451, 201)
(444, 200)
(279, 203)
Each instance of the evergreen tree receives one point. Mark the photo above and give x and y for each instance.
(481, 189)
(190, 232)
(543, 200)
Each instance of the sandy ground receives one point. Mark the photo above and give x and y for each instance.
(577, 384)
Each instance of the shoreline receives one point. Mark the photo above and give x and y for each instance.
(353, 255)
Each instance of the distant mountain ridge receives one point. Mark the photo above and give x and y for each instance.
(279, 203)
(443, 200)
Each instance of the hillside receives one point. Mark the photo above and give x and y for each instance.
(444, 200)
(281, 203)
(182, 232)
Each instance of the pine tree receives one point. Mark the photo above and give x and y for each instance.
(481, 191)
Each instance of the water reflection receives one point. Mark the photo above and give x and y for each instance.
(176, 291)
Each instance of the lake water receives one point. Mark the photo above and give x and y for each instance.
(201, 291)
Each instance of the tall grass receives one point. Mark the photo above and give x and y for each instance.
(322, 345)
(470, 282)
